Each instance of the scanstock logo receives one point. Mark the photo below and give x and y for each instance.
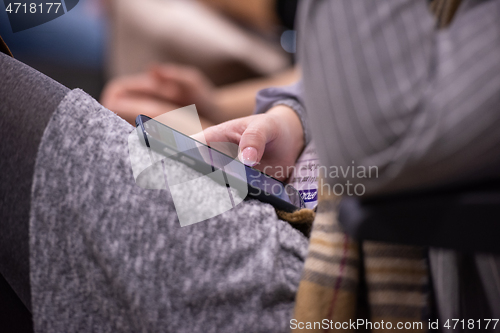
(28, 14)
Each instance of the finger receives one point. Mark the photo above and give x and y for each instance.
(172, 71)
(214, 134)
(229, 131)
(132, 85)
(145, 84)
(218, 133)
(253, 141)
(184, 76)
(170, 86)
(130, 107)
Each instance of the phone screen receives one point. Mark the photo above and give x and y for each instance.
(171, 142)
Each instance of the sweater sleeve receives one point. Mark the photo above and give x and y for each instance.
(290, 96)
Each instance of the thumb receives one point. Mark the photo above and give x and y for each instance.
(254, 139)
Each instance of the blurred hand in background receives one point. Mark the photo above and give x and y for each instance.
(168, 87)
(161, 89)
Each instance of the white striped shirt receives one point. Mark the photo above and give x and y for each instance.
(383, 87)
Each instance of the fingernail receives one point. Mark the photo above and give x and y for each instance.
(249, 156)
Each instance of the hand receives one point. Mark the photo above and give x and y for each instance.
(164, 88)
(185, 85)
(132, 95)
(271, 141)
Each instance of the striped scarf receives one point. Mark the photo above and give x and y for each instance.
(345, 280)
(381, 287)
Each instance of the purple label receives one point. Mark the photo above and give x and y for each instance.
(309, 195)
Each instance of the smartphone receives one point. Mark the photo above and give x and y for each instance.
(205, 159)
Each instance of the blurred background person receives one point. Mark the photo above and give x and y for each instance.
(166, 87)
(160, 55)
(214, 36)
(215, 54)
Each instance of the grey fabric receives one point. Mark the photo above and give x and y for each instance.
(421, 104)
(384, 88)
(445, 279)
(466, 286)
(288, 95)
(488, 267)
(27, 101)
(109, 256)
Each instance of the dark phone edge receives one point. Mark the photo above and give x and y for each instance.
(270, 198)
(173, 129)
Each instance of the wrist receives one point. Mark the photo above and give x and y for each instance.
(289, 122)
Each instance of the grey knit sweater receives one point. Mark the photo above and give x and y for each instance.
(109, 256)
